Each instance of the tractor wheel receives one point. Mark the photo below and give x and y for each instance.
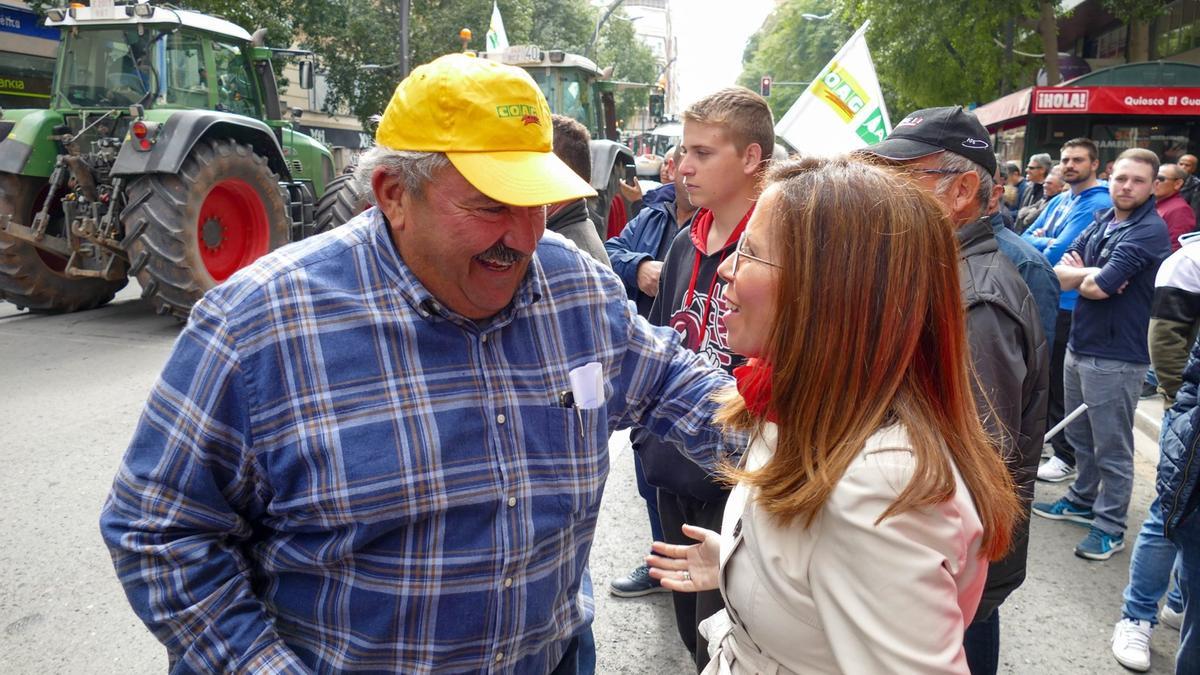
(190, 231)
(340, 203)
(30, 277)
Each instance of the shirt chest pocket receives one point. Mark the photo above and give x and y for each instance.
(565, 454)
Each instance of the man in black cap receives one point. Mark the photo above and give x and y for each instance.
(948, 152)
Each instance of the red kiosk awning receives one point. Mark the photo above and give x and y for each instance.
(1004, 109)
(1106, 100)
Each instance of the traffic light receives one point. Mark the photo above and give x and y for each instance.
(764, 87)
(656, 105)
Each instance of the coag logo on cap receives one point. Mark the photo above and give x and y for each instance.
(910, 122)
(975, 144)
(516, 111)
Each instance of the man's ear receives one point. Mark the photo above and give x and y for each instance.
(389, 196)
(752, 158)
(965, 190)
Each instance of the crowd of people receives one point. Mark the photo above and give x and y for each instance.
(384, 448)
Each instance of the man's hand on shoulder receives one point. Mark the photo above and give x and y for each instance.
(648, 273)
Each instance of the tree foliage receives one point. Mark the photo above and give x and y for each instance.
(346, 34)
(791, 48)
(945, 53)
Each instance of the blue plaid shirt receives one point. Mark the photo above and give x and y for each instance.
(335, 473)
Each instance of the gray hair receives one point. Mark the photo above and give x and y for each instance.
(415, 168)
(948, 161)
(1043, 160)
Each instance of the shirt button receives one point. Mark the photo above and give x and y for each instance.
(508, 582)
(500, 418)
(512, 501)
(483, 338)
(499, 656)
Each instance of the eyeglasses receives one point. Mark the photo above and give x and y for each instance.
(738, 254)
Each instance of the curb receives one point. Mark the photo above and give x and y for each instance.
(1147, 422)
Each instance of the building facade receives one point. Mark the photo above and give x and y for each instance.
(27, 51)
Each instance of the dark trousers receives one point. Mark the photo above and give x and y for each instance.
(1055, 412)
(650, 494)
(981, 642)
(691, 608)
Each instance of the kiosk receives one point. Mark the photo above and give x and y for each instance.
(1153, 105)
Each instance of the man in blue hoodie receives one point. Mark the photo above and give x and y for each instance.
(638, 251)
(1064, 218)
(1112, 265)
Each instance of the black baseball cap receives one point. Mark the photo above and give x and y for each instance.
(933, 130)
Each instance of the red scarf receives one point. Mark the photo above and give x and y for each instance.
(754, 384)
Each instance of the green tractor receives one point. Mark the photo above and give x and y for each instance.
(164, 155)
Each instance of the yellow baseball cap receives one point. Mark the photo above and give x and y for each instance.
(491, 121)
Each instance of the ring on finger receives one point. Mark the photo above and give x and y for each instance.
(685, 575)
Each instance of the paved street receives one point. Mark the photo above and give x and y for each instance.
(73, 388)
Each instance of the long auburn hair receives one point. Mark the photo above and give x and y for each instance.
(869, 330)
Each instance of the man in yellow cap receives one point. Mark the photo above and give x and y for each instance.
(383, 448)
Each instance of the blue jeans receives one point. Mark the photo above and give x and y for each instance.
(1103, 436)
(1187, 538)
(1150, 566)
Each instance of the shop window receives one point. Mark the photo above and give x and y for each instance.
(1177, 30)
(1111, 43)
(1168, 141)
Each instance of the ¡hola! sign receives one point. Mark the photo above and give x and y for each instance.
(1116, 101)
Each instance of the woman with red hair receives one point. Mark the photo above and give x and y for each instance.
(869, 501)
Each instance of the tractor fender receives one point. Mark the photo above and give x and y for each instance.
(25, 145)
(604, 155)
(184, 129)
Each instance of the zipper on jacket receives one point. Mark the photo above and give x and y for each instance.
(1186, 471)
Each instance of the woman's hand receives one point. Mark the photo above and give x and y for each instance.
(688, 568)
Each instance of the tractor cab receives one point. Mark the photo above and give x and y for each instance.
(156, 57)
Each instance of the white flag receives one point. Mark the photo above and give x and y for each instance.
(842, 109)
(497, 39)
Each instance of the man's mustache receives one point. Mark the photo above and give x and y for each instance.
(499, 254)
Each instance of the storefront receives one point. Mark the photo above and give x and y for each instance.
(26, 58)
(1145, 105)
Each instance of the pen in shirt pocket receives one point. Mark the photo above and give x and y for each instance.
(566, 399)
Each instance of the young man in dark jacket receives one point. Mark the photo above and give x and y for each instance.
(727, 138)
(637, 254)
(1112, 264)
(946, 150)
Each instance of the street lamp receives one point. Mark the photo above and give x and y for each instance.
(816, 17)
(596, 33)
(372, 67)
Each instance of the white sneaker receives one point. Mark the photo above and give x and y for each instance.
(1170, 618)
(1055, 471)
(1131, 644)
